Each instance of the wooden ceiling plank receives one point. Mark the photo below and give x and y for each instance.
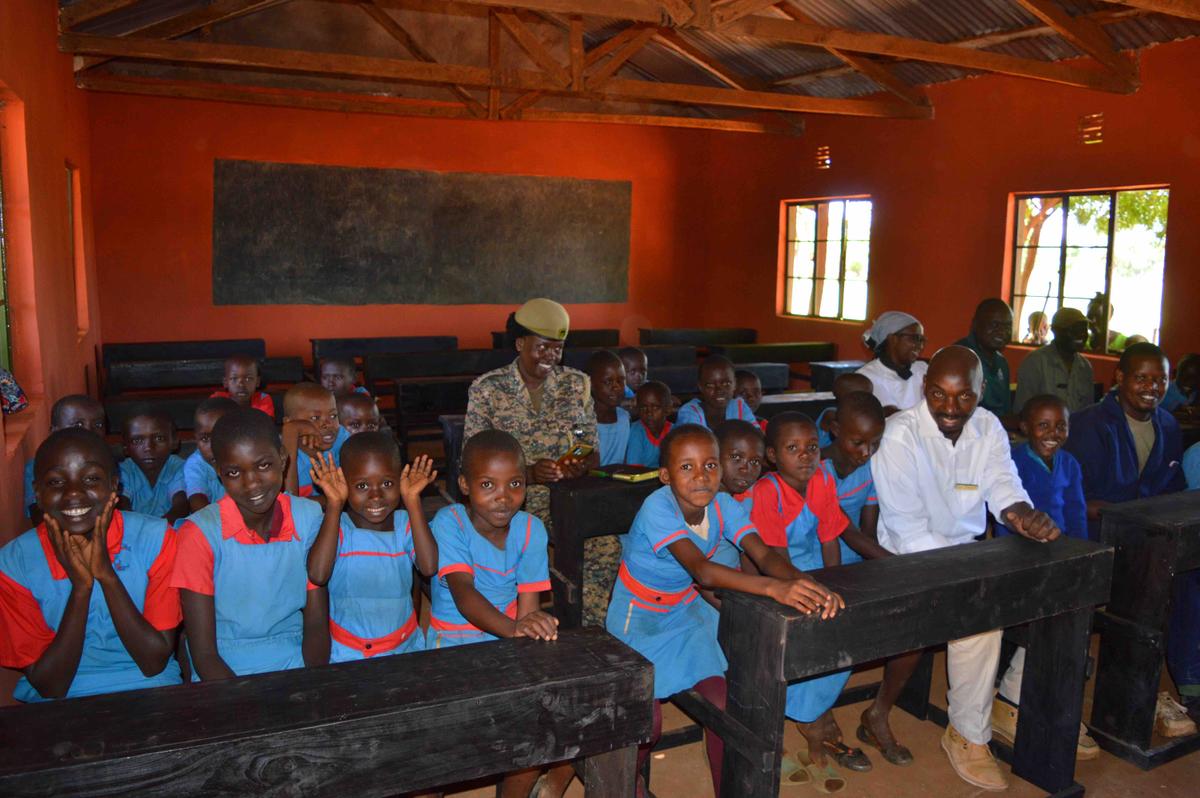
(85, 10)
(677, 44)
(338, 64)
(780, 30)
(401, 35)
(733, 125)
(1187, 9)
(632, 10)
(575, 45)
(680, 11)
(601, 75)
(533, 47)
(731, 12)
(1085, 35)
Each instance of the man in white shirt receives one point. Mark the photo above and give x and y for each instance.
(940, 465)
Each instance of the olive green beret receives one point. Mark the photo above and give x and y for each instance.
(545, 317)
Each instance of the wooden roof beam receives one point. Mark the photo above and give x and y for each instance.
(1187, 9)
(599, 76)
(1086, 36)
(86, 10)
(781, 30)
(357, 66)
(673, 41)
(733, 11)
(533, 47)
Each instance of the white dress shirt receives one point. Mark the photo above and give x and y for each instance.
(934, 493)
(892, 389)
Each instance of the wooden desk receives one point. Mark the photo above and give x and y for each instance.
(811, 403)
(908, 603)
(1156, 540)
(584, 508)
(365, 729)
(824, 372)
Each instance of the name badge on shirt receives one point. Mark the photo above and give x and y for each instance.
(965, 486)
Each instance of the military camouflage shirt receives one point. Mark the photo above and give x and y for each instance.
(500, 400)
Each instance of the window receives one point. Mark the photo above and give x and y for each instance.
(1068, 252)
(826, 252)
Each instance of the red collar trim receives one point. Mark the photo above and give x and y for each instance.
(116, 537)
(657, 441)
(283, 529)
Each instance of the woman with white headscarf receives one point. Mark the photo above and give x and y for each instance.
(897, 377)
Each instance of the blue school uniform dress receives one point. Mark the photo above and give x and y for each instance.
(522, 567)
(655, 608)
(854, 492)
(802, 523)
(304, 462)
(644, 445)
(1191, 466)
(1056, 490)
(614, 439)
(201, 478)
(259, 587)
(823, 437)
(152, 499)
(1175, 398)
(370, 593)
(693, 412)
(1102, 443)
(34, 589)
(629, 392)
(30, 498)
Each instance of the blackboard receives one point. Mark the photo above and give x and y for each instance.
(329, 235)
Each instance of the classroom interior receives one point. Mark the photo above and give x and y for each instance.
(108, 203)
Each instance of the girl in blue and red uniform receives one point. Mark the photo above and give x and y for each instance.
(668, 552)
(367, 558)
(716, 402)
(796, 511)
(646, 434)
(85, 604)
(151, 476)
(241, 568)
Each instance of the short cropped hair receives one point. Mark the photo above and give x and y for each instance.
(715, 362)
(367, 443)
(601, 358)
(244, 424)
(737, 428)
(79, 438)
(1139, 350)
(860, 403)
(216, 404)
(630, 351)
(298, 390)
(149, 411)
(661, 388)
(488, 441)
(344, 362)
(787, 418)
(991, 303)
(677, 435)
(746, 374)
(1035, 403)
(72, 400)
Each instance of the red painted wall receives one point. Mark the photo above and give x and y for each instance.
(45, 111)
(941, 191)
(154, 163)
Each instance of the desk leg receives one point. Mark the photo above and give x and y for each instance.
(566, 572)
(1052, 700)
(754, 641)
(610, 775)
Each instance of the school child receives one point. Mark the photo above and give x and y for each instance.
(339, 376)
(743, 451)
(85, 604)
(151, 476)
(636, 368)
(843, 385)
(646, 434)
(668, 551)
(1054, 481)
(368, 546)
(716, 401)
(607, 377)
(1183, 392)
(857, 426)
(75, 410)
(357, 412)
(310, 426)
(248, 606)
(796, 512)
(200, 479)
(242, 382)
(748, 387)
(1191, 466)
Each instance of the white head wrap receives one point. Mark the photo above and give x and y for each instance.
(887, 324)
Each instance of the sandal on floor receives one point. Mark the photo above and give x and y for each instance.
(893, 752)
(792, 773)
(849, 758)
(825, 779)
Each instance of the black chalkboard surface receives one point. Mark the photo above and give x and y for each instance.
(329, 235)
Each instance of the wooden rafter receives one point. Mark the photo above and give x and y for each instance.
(533, 47)
(780, 30)
(875, 71)
(598, 77)
(356, 66)
(1085, 35)
(494, 35)
(680, 11)
(610, 45)
(677, 44)
(1187, 9)
(398, 32)
(85, 10)
(575, 47)
(731, 12)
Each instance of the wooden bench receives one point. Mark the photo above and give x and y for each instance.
(822, 373)
(797, 352)
(452, 443)
(358, 348)
(811, 403)
(180, 407)
(182, 350)
(697, 336)
(598, 338)
(369, 729)
(909, 603)
(681, 380)
(126, 376)
(656, 356)
(1156, 540)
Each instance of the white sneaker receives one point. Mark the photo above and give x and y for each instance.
(1170, 718)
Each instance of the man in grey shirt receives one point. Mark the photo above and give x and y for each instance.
(1057, 368)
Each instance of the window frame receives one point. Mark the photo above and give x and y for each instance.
(785, 257)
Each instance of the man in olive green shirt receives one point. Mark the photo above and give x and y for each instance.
(1057, 368)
